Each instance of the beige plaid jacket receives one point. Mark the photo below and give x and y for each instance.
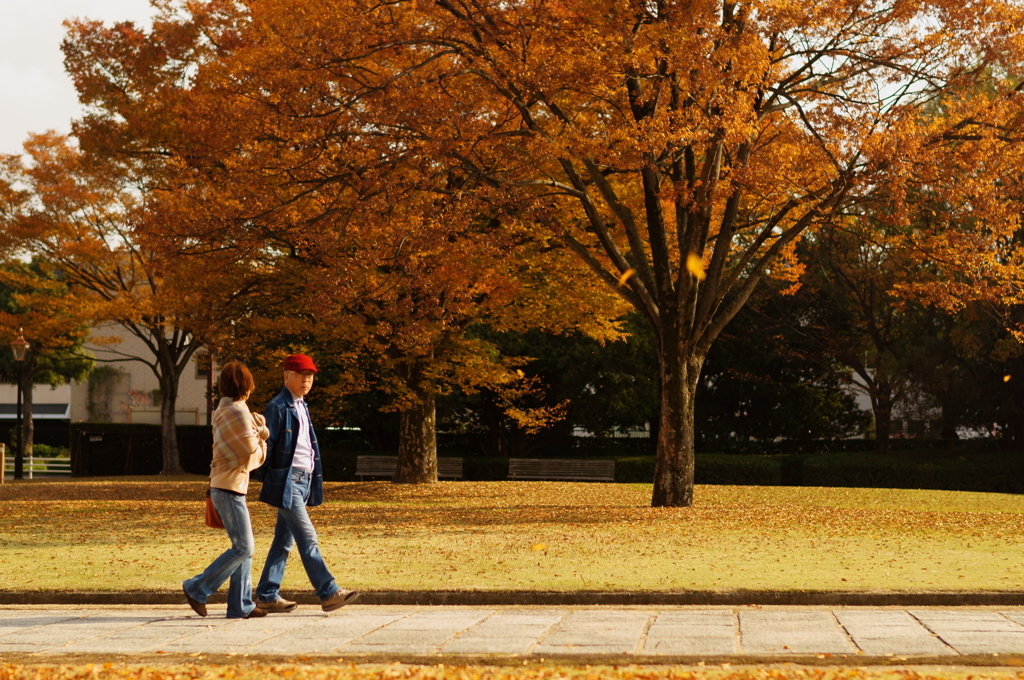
(239, 445)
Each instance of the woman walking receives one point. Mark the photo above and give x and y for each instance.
(239, 447)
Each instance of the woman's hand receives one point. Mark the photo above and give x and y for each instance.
(261, 426)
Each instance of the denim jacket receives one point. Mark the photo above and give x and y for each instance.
(282, 421)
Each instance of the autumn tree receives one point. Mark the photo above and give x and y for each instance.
(375, 272)
(87, 202)
(680, 150)
(35, 300)
(399, 281)
(874, 313)
(81, 215)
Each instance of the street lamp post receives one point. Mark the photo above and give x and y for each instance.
(19, 347)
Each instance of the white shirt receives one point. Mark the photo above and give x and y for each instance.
(303, 459)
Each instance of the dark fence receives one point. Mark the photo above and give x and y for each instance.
(111, 449)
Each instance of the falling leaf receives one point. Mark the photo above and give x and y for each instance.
(626, 275)
(1006, 378)
(695, 265)
(539, 546)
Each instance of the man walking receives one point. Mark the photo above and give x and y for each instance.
(293, 482)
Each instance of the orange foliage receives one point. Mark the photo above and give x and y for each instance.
(631, 134)
(638, 134)
(313, 234)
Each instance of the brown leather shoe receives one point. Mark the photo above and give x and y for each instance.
(339, 599)
(197, 606)
(278, 606)
(256, 613)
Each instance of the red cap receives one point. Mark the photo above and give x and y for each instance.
(299, 362)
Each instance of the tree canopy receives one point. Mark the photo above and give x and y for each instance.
(679, 149)
(389, 175)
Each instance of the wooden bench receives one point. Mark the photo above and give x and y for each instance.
(562, 469)
(384, 466)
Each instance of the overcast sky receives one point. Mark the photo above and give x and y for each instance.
(35, 92)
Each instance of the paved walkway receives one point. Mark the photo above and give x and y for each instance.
(415, 633)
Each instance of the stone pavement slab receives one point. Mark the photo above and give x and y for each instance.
(880, 632)
(766, 631)
(597, 631)
(626, 633)
(424, 631)
(324, 634)
(974, 632)
(506, 632)
(693, 632)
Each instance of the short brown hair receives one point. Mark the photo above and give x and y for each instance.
(235, 380)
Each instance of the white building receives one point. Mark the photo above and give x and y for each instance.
(119, 390)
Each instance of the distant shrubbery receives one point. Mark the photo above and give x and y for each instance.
(108, 449)
(994, 472)
(46, 451)
(962, 467)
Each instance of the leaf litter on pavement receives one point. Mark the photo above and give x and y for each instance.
(340, 670)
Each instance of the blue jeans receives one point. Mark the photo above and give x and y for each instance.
(234, 564)
(294, 528)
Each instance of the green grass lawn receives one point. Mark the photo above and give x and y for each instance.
(148, 534)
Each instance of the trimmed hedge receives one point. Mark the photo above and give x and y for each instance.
(717, 468)
(710, 468)
(339, 466)
(940, 469)
(992, 472)
(634, 470)
(45, 433)
(111, 449)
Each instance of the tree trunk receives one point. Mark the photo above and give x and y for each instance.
(417, 435)
(673, 466)
(168, 429)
